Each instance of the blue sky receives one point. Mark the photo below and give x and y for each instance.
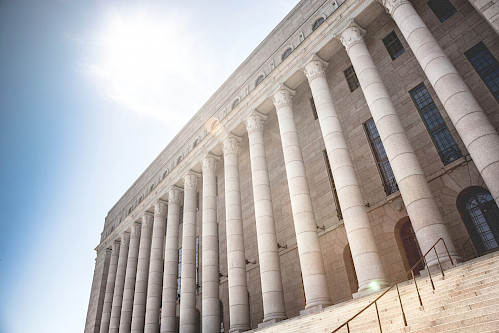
(90, 92)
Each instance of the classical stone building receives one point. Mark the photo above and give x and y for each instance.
(353, 138)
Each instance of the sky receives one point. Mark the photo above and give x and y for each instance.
(90, 93)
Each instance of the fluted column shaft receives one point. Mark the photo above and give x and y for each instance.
(188, 277)
(270, 267)
(421, 206)
(140, 297)
(168, 309)
(131, 273)
(119, 284)
(236, 260)
(155, 282)
(360, 236)
(210, 317)
(108, 298)
(309, 250)
(474, 128)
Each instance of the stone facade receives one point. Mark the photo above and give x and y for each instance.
(284, 228)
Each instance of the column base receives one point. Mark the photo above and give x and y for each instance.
(313, 309)
(269, 323)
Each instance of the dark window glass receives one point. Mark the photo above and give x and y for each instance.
(181, 215)
(259, 80)
(333, 186)
(236, 103)
(486, 66)
(435, 124)
(384, 167)
(179, 274)
(197, 200)
(317, 23)
(442, 9)
(393, 45)
(314, 110)
(481, 217)
(351, 77)
(286, 53)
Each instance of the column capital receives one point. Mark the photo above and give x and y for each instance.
(254, 122)
(209, 163)
(174, 196)
(147, 220)
(352, 34)
(283, 97)
(125, 239)
(314, 68)
(116, 246)
(190, 181)
(160, 207)
(392, 5)
(135, 231)
(231, 144)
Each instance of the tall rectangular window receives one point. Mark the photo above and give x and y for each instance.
(179, 274)
(442, 9)
(486, 66)
(314, 110)
(333, 186)
(384, 167)
(351, 77)
(435, 124)
(393, 45)
(197, 261)
(181, 215)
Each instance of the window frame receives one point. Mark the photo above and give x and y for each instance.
(351, 78)
(315, 25)
(437, 5)
(391, 41)
(339, 214)
(475, 50)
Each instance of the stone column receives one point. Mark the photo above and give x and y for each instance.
(155, 282)
(119, 284)
(360, 236)
(98, 291)
(108, 298)
(168, 309)
(476, 131)
(270, 267)
(139, 299)
(309, 250)
(188, 277)
(236, 260)
(210, 317)
(131, 273)
(421, 206)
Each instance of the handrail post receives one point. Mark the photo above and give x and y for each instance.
(401, 307)
(377, 314)
(417, 289)
(447, 249)
(429, 273)
(348, 327)
(439, 264)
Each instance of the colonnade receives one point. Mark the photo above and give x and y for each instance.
(140, 294)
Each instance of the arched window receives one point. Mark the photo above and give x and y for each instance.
(481, 217)
(180, 158)
(236, 103)
(317, 23)
(259, 80)
(130, 210)
(287, 53)
(165, 174)
(152, 187)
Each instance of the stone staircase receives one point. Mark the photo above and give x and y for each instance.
(466, 300)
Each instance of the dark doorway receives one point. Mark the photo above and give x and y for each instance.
(411, 246)
(350, 269)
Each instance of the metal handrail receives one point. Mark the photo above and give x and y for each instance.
(411, 271)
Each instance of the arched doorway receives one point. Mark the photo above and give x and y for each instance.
(481, 218)
(408, 245)
(350, 269)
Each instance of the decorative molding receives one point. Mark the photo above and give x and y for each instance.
(209, 163)
(314, 68)
(283, 97)
(231, 144)
(190, 181)
(160, 208)
(392, 5)
(147, 220)
(254, 122)
(174, 196)
(351, 35)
